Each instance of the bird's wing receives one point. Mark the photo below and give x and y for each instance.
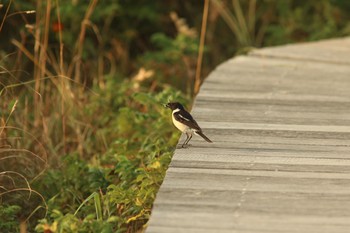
(186, 119)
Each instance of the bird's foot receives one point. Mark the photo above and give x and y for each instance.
(184, 146)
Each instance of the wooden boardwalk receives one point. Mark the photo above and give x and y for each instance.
(280, 161)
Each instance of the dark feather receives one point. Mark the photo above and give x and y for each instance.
(186, 119)
(202, 135)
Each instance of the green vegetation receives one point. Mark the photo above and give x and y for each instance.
(84, 138)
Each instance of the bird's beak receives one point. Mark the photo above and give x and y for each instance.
(166, 105)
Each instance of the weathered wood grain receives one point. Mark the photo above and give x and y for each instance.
(280, 162)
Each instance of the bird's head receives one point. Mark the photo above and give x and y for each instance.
(174, 105)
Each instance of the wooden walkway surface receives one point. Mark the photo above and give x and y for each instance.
(280, 161)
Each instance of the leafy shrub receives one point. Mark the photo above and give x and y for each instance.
(8, 217)
(116, 186)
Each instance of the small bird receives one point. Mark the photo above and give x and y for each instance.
(185, 122)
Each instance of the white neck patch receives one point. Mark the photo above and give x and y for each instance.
(176, 110)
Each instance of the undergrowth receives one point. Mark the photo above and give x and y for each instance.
(83, 148)
(113, 191)
(106, 186)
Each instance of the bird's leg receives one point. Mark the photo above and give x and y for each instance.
(186, 141)
(183, 145)
(189, 138)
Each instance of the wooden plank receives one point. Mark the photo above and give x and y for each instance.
(258, 180)
(273, 78)
(222, 221)
(280, 162)
(196, 193)
(256, 78)
(330, 51)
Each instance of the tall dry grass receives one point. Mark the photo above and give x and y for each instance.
(40, 118)
(241, 23)
(58, 83)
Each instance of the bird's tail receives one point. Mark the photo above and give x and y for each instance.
(202, 135)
